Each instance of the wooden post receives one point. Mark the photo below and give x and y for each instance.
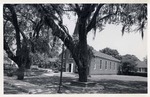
(61, 71)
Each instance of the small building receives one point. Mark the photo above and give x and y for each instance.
(141, 67)
(104, 64)
(101, 64)
(69, 63)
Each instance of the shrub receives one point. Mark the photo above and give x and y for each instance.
(140, 74)
(136, 74)
(10, 69)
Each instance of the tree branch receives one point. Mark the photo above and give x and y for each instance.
(15, 23)
(87, 14)
(93, 20)
(77, 9)
(23, 35)
(56, 31)
(29, 19)
(76, 28)
(38, 27)
(7, 49)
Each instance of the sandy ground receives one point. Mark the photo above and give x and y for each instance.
(100, 77)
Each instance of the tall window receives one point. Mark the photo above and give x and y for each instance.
(145, 69)
(139, 69)
(105, 64)
(114, 66)
(100, 64)
(94, 66)
(110, 65)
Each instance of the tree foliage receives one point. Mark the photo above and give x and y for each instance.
(92, 17)
(111, 52)
(129, 63)
(31, 29)
(25, 34)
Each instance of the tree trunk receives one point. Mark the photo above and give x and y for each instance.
(83, 66)
(24, 61)
(82, 74)
(20, 73)
(77, 48)
(82, 61)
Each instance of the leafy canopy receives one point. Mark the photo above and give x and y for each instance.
(111, 52)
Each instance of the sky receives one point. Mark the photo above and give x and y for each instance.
(129, 43)
(111, 36)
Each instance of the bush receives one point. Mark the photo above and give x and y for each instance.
(135, 74)
(10, 73)
(10, 69)
(140, 74)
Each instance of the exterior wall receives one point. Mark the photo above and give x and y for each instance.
(141, 70)
(95, 68)
(73, 66)
(69, 60)
(141, 67)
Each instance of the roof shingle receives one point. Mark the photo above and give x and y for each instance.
(141, 64)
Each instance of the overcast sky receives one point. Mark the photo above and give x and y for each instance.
(129, 43)
(111, 36)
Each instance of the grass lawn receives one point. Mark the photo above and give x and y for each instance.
(110, 86)
(11, 90)
(116, 86)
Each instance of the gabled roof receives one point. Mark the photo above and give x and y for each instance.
(141, 64)
(101, 55)
(105, 56)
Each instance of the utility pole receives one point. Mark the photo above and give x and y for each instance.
(61, 70)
